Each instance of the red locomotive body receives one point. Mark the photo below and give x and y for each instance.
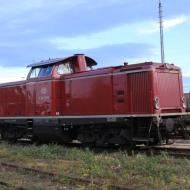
(64, 99)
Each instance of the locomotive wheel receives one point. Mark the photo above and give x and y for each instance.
(114, 137)
(100, 139)
(7, 134)
(11, 133)
(86, 137)
(105, 135)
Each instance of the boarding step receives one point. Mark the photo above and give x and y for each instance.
(142, 140)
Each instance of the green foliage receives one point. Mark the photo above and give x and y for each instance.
(154, 172)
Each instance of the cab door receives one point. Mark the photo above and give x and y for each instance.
(39, 91)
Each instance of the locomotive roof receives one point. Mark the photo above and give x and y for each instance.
(89, 61)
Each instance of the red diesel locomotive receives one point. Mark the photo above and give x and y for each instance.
(65, 100)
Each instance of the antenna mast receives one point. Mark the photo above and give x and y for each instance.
(161, 33)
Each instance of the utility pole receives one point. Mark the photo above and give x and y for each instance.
(161, 33)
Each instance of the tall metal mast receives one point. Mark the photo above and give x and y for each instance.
(161, 33)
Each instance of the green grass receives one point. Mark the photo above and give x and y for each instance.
(140, 171)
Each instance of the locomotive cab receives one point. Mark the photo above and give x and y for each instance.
(74, 64)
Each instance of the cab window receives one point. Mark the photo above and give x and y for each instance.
(65, 68)
(45, 71)
(35, 73)
(41, 72)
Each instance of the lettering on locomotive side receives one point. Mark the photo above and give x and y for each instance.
(43, 90)
(44, 98)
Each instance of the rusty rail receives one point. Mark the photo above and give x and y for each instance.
(176, 150)
(5, 184)
(96, 182)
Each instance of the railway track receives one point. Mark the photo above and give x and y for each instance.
(178, 149)
(8, 185)
(72, 179)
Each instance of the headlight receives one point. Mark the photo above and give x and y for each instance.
(183, 102)
(157, 103)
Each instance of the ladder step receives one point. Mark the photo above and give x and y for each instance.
(142, 139)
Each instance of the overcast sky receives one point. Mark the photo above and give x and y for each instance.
(110, 31)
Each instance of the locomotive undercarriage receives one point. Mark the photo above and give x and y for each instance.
(130, 131)
(148, 131)
(14, 132)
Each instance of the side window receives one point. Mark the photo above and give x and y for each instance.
(45, 71)
(49, 70)
(65, 69)
(41, 72)
(35, 73)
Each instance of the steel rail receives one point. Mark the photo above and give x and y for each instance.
(96, 182)
(175, 150)
(7, 185)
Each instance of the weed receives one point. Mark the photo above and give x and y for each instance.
(153, 172)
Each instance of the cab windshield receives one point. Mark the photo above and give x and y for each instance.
(41, 72)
